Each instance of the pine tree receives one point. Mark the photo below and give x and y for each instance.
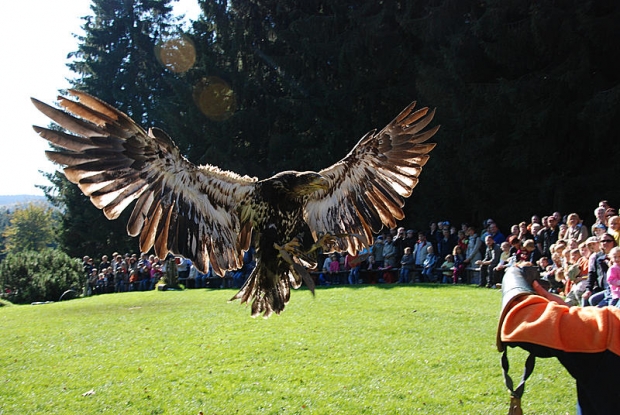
(115, 61)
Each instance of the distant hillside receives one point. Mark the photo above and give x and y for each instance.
(12, 200)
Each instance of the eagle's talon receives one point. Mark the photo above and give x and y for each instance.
(324, 242)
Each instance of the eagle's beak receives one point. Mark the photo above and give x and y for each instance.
(319, 183)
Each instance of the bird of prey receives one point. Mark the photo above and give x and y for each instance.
(211, 216)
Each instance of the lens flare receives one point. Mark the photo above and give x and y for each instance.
(177, 54)
(215, 98)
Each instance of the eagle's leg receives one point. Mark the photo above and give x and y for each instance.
(298, 272)
(288, 249)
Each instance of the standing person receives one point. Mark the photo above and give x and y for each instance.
(488, 263)
(407, 263)
(474, 248)
(377, 252)
(420, 249)
(446, 243)
(433, 234)
(121, 274)
(410, 240)
(584, 340)
(389, 253)
(459, 266)
(353, 263)
(462, 240)
(324, 276)
(105, 263)
(399, 242)
(144, 267)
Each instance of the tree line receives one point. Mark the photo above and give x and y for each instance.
(526, 93)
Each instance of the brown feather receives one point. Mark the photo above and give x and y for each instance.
(68, 122)
(64, 140)
(161, 238)
(138, 215)
(147, 237)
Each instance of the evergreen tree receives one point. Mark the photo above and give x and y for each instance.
(115, 61)
(526, 92)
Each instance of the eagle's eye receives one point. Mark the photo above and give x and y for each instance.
(277, 184)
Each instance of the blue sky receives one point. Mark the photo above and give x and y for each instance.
(36, 37)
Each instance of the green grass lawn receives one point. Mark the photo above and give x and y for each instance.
(350, 350)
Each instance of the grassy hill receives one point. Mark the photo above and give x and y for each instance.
(350, 350)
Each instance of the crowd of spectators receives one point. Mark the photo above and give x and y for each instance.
(573, 259)
(129, 273)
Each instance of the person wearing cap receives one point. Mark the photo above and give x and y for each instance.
(410, 239)
(584, 340)
(599, 229)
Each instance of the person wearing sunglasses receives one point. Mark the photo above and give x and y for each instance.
(597, 290)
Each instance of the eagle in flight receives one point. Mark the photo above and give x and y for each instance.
(212, 216)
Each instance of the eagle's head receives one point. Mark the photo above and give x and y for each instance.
(297, 184)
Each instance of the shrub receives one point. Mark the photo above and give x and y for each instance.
(31, 276)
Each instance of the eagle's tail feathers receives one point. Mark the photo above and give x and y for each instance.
(267, 293)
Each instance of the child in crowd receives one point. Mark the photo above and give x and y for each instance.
(613, 275)
(429, 265)
(504, 259)
(331, 265)
(447, 269)
(407, 263)
(459, 264)
(576, 279)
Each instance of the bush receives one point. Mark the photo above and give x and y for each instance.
(31, 276)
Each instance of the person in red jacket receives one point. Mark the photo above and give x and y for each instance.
(585, 340)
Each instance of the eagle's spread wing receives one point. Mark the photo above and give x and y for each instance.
(181, 208)
(367, 188)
